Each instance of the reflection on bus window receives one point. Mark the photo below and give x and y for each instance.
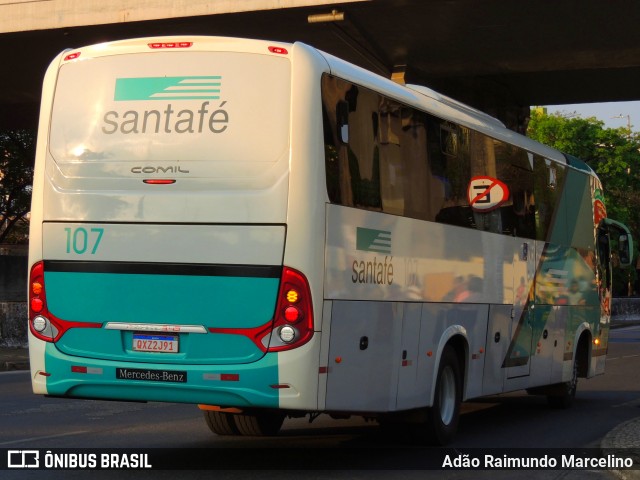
(405, 162)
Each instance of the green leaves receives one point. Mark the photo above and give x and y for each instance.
(17, 155)
(614, 154)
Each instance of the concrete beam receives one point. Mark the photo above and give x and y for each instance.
(499, 56)
(27, 15)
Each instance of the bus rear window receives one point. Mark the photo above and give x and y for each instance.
(231, 109)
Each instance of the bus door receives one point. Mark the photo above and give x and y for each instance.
(517, 361)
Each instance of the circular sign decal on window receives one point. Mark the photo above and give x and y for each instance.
(486, 193)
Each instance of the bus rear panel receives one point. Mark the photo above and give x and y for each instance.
(159, 224)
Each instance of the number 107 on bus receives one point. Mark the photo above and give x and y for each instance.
(81, 240)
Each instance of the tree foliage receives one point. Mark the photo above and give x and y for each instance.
(614, 154)
(17, 154)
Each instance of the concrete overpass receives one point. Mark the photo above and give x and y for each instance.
(498, 55)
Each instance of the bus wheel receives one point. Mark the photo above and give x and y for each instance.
(263, 423)
(220, 423)
(564, 393)
(444, 415)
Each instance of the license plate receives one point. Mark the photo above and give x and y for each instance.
(155, 343)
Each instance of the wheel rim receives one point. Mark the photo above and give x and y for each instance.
(447, 395)
(573, 384)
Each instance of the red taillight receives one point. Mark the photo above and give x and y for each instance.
(37, 305)
(72, 56)
(39, 323)
(292, 325)
(42, 323)
(278, 50)
(293, 322)
(158, 181)
(292, 314)
(157, 45)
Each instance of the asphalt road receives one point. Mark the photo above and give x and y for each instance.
(507, 421)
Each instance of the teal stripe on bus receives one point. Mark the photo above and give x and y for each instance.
(214, 301)
(166, 88)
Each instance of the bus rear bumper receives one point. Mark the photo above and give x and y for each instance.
(242, 385)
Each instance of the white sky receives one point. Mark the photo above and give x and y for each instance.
(605, 112)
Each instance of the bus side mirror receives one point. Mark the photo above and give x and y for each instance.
(342, 114)
(624, 250)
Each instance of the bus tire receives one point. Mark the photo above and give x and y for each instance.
(260, 424)
(220, 423)
(564, 393)
(444, 414)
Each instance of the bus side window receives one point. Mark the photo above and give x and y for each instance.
(342, 121)
(624, 250)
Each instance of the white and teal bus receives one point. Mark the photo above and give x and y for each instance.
(265, 230)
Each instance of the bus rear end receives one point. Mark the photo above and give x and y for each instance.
(159, 225)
